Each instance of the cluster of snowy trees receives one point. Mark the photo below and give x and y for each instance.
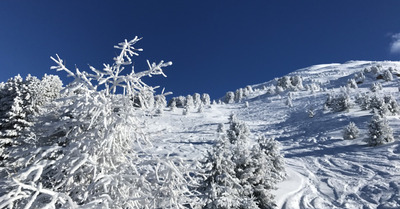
(338, 103)
(242, 174)
(20, 102)
(380, 73)
(381, 106)
(238, 95)
(291, 83)
(190, 101)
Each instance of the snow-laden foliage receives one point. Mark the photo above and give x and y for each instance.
(85, 151)
(351, 131)
(241, 175)
(376, 87)
(229, 97)
(205, 98)
(338, 103)
(351, 83)
(380, 131)
(387, 75)
(383, 106)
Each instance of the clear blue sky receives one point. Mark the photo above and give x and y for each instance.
(216, 46)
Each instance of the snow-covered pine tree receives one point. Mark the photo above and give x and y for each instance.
(196, 99)
(50, 88)
(297, 82)
(387, 75)
(205, 98)
(339, 102)
(376, 87)
(359, 77)
(229, 97)
(238, 95)
(391, 104)
(351, 83)
(16, 101)
(222, 187)
(379, 131)
(172, 105)
(351, 131)
(284, 82)
(189, 104)
(241, 176)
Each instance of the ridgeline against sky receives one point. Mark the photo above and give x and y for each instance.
(216, 46)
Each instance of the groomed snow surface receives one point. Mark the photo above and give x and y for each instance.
(324, 171)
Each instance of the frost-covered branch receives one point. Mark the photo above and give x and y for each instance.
(111, 76)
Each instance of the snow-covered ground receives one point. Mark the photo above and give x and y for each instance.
(324, 171)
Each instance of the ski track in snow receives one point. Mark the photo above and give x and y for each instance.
(324, 171)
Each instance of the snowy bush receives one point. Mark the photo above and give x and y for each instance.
(379, 131)
(350, 131)
(240, 175)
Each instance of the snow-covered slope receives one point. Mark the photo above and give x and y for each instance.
(324, 171)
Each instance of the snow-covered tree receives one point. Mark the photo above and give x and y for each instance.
(229, 97)
(247, 90)
(284, 82)
(339, 102)
(172, 105)
(376, 87)
(50, 88)
(196, 99)
(205, 98)
(239, 95)
(160, 101)
(359, 77)
(379, 131)
(240, 175)
(17, 103)
(351, 131)
(391, 104)
(289, 102)
(351, 83)
(189, 102)
(180, 101)
(297, 82)
(364, 100)
(387, 75)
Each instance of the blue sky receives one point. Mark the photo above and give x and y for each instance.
(216, 46)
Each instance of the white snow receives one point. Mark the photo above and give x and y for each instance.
(324, 171)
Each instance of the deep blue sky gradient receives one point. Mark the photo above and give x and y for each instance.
(216, 46)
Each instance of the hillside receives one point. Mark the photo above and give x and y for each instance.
(324, 170)
(306, 111)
